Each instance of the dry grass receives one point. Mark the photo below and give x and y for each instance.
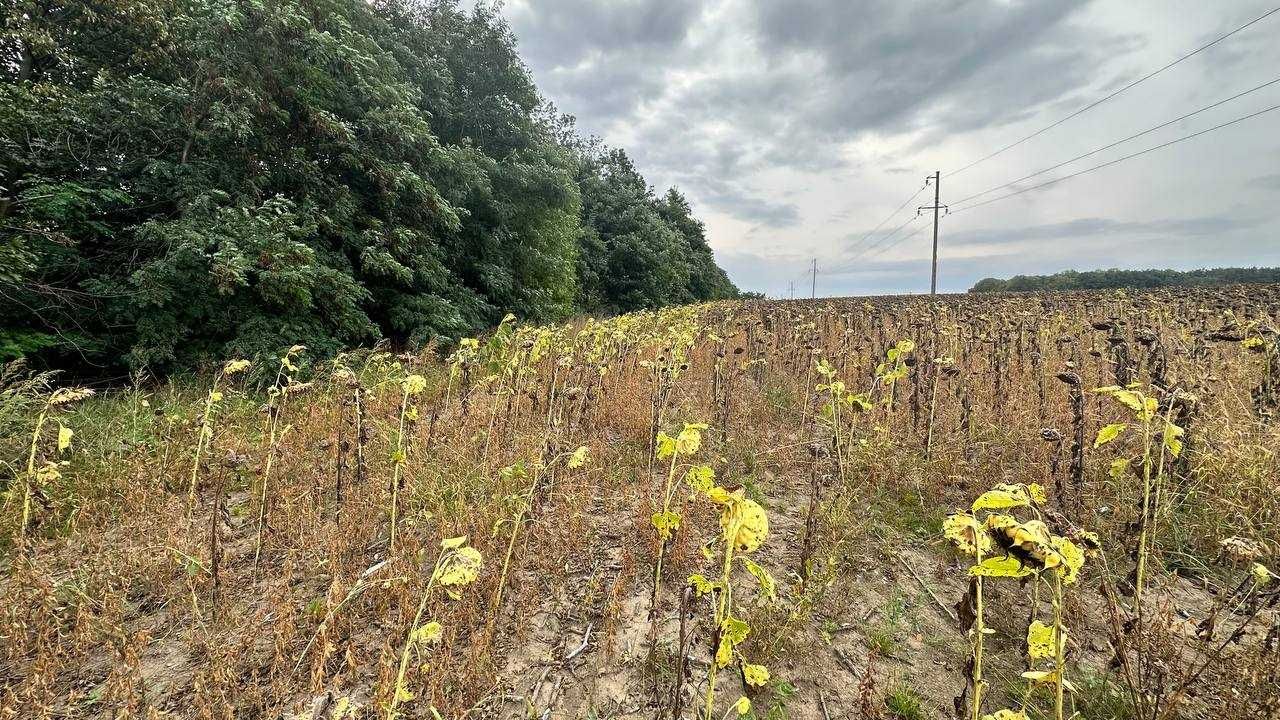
(122, 600)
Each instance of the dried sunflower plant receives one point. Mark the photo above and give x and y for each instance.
(1003, 546)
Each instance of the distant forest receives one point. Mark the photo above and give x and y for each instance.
(187, 181)
(1109, 279)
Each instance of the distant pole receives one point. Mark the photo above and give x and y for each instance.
(936, 179)
(813, 290)
(791, 290)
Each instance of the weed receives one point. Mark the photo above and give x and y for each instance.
(904, 703)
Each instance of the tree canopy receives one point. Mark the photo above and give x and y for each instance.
(1113, 279)
(182, 181)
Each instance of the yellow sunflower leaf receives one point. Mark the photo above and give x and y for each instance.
(700, 478)
(1072, 559)
(767, 584)
(1040, 641)
(755, 675)
(734, 630)
(64, 437)
(1261, 575)
(666, 523)
(701, 585)
(1108, 433)
(1041, 676)
(966, 533)
(453, 543)
(460, 568)
(743, 706)
(1037, 493)
(1000, 567)
(666, 445)
(235, 366)
(1129, 399)
(1119, 467)
(427, 634)
(1003, 497)
(724, 653)
(690, 438)
(414, 385)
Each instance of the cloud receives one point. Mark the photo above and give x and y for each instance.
(602, 60)
(1194, 227)
(785, 85)
(1268, 182)
(732, 199)
(786, 123)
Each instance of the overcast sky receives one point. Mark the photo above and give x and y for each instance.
(795, 126)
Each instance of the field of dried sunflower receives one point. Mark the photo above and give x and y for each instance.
(1004, 507)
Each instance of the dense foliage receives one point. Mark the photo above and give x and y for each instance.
(1113, 278)
(189, 180)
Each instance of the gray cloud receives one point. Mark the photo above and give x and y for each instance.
(1194, 227)
(1269, 182)
(785, 123)
(752, 207)
(601, 60)
(887, 62)
(808, 76)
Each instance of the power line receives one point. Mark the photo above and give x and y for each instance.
(1121, 159)
(880, 224)
(1120, 142)
(1098, 102)
(880, 248)
(886, 248)
(852, 262)
(899, 241)
(873, 230)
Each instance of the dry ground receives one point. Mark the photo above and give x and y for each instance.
(127, 600)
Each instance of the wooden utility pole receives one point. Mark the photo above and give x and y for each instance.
(936, 179)
(813, 289)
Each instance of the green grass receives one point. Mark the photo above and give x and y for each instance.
(904, 703)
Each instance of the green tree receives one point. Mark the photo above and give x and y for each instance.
(186, 180)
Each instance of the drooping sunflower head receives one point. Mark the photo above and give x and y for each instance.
(1029, 542)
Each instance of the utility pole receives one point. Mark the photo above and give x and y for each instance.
(936, 179)
(791, 290)
(813, 290)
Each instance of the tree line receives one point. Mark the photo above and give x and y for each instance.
(183, 181)
(1115, 279)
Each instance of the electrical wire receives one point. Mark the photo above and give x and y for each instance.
(1119, 160)
(879, 225)
(880, 247)
(853, 262)
(1107, 97)
(899, 241)
(886, 248)
(1118, 142)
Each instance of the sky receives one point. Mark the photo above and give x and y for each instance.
(795, 127)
